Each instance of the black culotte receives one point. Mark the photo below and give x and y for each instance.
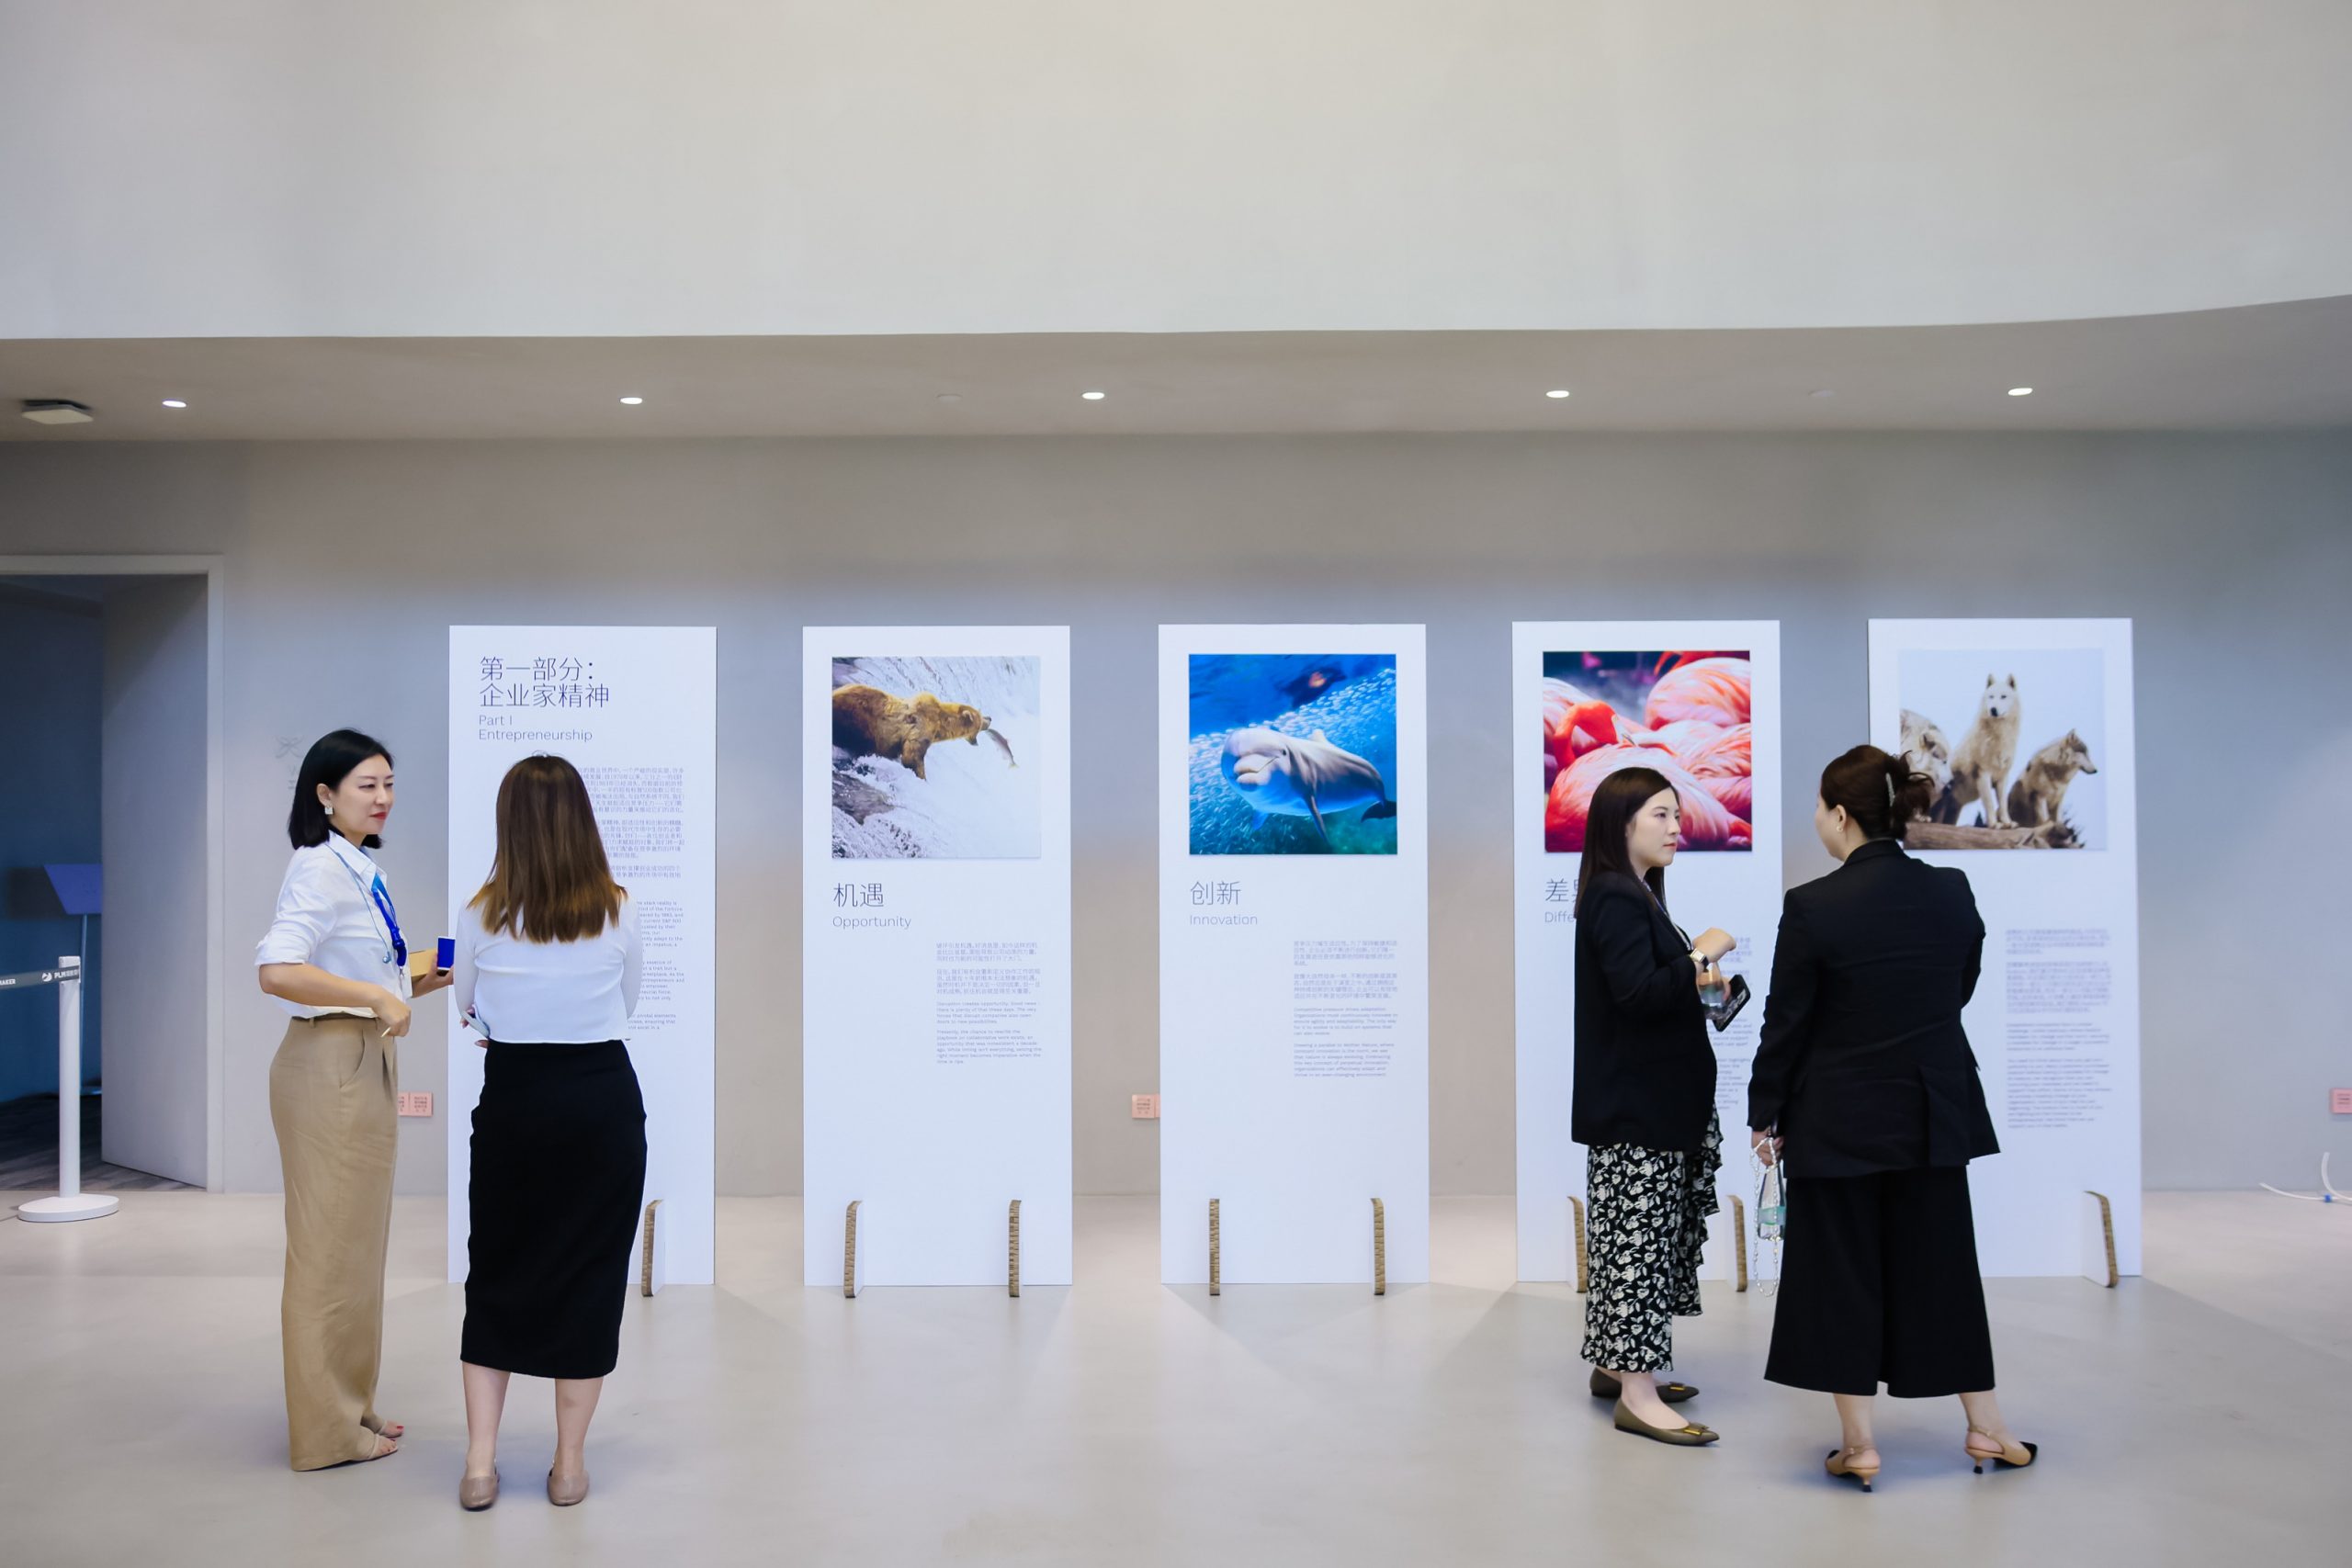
(1878, 1284)
(559, 1172)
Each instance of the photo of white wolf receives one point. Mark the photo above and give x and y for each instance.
(1980, 769)
(2014, 741)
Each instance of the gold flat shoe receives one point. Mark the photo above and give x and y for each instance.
(475, 1493)
(1606, 1387)
(1688, 1437)
(565, 1494)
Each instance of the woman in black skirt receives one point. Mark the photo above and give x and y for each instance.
(1864, 1076)
(547, 973)
(1645, 1101)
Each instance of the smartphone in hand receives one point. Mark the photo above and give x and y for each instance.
(1734, 998)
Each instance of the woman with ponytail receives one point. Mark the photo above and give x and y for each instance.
(1864, 1083)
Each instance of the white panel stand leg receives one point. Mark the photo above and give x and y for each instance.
(71, 1202)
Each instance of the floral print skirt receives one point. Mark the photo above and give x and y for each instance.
(1646, 1220)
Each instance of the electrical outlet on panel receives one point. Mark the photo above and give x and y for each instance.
(416, 1102)
(1144, 1107)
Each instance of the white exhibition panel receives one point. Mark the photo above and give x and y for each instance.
(1678, 694)
(936, 952)
(2055, 1023)
(636, 709)
(1293, 986)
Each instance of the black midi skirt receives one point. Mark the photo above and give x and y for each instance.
(559, 1172)
(1879, 1285)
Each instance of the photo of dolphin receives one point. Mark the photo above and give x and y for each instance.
(1302, 776)
(1292, 754)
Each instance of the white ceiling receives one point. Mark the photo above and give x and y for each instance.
(797, 168)
(2258, 367)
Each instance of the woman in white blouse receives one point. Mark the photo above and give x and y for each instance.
(336, 960)
(547, 974)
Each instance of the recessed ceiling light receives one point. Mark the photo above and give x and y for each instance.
(174, 403)
(1821, 392)
(57, 410)
(951, 397)
(632, 402)
(2020, 392)
(1557, 393)
(1094, 397)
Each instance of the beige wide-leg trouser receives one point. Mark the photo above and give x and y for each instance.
(332, 1098)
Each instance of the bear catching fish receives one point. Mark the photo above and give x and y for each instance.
(870, 722)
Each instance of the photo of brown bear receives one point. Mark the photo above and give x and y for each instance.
(902, 786)
(870, 722)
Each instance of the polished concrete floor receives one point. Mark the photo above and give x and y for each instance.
(2202, 1413)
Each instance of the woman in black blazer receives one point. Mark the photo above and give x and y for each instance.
(1864, 1076)
(1645, 1101)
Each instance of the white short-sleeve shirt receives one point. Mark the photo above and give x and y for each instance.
(326, 916)
(549, 993)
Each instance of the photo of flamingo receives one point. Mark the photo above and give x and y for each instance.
(1683, 711)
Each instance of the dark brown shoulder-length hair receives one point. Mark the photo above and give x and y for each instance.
(1615, 804)
(550, 881)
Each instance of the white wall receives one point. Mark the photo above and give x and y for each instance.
(559, 167)
(347, 563)
(152, 804)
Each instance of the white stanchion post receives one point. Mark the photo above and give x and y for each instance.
(71, 1202)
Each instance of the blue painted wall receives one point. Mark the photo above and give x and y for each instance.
(51, 660)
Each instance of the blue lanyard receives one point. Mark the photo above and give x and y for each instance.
(396, 951)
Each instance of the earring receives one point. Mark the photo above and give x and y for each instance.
(330, 810)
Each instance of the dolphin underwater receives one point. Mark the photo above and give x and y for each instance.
(1284, 775)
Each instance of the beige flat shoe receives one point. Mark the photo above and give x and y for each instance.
(475, 1493)
(566, 1493)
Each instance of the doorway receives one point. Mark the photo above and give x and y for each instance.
(109, 837)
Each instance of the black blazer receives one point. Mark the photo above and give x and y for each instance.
(1863, 1063)
(1644, 1071)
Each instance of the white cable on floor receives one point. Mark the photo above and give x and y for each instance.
(2327, 1193)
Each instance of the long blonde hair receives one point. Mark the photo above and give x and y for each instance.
(550, 881)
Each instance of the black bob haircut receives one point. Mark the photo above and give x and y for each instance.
(329, 762)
